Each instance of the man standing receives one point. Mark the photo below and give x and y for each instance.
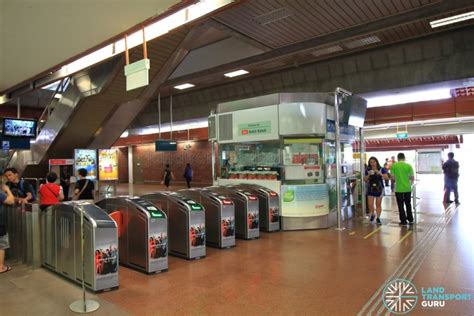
(403, 174)
(451, 175)
(6, 198)
(23, 191)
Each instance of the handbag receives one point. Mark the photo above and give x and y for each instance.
(76, 196)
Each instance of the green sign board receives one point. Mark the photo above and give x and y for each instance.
(255, 128)
(402, 135)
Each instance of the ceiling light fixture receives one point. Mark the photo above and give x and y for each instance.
(452, 19)
(236, 73)
(184, 86)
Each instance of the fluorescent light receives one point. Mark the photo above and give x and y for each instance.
(152, 31)
(410, 97)
(452, 19)
(184, 86)
(236, 73)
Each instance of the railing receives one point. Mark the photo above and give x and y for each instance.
(415, 201)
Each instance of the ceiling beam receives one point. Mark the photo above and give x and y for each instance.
(219, 25)
(421, 13)
(126, 112)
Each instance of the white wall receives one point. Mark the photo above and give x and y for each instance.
(38, 34)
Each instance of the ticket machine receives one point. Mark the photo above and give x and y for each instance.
(220, 216)
(186, 223)
(61, 244)
(143, 232)
(269, 206)
(246, 210)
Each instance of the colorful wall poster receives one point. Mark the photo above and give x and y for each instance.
(304, 200)
(108, 164)
(87, 159)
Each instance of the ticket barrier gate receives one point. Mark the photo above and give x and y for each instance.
(61, 244)
(142, 230)
(246, 210)
(269, 206)
(220, 216)
(186, 224)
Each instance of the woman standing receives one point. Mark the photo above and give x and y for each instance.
(375, 176)
(50, 193)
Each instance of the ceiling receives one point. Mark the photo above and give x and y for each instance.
(268, 36)
(295, 32)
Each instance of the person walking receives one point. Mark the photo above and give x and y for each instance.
(403, 175)
(22, 191)
(451, 175)
(375, 177)
(167, 176)
(6, 198)
(50, 193)
(188, 174)
(84, 189)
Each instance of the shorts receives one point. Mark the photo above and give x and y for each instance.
(375, 194)
(4, 244)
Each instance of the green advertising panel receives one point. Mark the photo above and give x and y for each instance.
(305, 200)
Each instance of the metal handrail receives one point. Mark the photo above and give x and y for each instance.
(414, 200)
(47, 110)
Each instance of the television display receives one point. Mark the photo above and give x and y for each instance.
(19, 127)
(354, 109)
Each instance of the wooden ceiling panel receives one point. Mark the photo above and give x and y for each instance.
(284, 22)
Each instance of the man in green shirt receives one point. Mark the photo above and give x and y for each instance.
(403, 174)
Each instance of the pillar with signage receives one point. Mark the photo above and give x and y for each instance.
(287, 143)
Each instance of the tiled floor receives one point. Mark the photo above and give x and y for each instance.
(323, 272)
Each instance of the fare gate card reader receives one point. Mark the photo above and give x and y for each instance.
(246, 210)
(143, 232)
(220, 216)
(186, 220)
(269, 206)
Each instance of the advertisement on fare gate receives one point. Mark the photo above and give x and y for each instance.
(106, 260)
(108, 164)
(86, 159)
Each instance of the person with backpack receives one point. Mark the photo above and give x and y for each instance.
(188, 174)
(23, 191)
(451, 175)
(50, 193)
(375, 176)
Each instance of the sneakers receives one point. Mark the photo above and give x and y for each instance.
(372, 217)
(457, 202)
(410, 223)
(379, 222)
(402, 223)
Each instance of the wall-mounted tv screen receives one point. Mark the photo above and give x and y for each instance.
(19, 127)
(166, 145)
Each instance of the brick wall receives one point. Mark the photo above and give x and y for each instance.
(153, 163)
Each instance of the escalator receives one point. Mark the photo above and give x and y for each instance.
(95, 108)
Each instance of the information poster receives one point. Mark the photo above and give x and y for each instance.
(86, 159)
(108, 164)
(304, 200)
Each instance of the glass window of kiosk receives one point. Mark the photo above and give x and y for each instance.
(250, 161)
